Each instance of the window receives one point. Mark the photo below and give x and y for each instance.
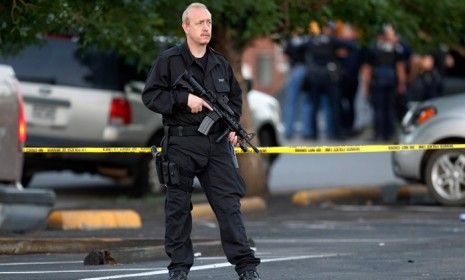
(61, 62)
(265, 69)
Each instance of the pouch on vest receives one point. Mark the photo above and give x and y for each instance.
(318, 75)
(384, 76)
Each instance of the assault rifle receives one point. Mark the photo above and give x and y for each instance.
(221, 111)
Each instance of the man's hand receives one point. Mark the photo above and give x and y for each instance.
(196, 103)
(232, 137)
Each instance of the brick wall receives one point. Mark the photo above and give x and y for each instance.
(266, 65)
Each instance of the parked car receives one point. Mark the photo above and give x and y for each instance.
(20, 210)
(437, 121)
(76, 98)
(12, 128)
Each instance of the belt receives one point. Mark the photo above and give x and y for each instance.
(189, 130)
(183, 131)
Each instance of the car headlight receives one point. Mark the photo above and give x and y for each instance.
(416, 117)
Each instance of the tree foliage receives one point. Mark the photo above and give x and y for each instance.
(126, 27)
(132, 27)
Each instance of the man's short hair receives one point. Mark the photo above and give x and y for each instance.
(190, 7)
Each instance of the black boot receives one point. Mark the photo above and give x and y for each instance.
(179, 275)
(249, 275)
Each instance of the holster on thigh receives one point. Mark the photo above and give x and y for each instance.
(167, 171)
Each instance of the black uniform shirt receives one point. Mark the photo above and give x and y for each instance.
(321, 49)
(380, 55)
(160, 96)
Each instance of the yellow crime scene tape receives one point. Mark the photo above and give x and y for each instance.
(265, 150)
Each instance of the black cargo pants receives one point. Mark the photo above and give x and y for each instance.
(213, 165)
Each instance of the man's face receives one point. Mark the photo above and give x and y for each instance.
(198, 26)
(390, 34)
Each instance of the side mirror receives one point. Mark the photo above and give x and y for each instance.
(134, 87)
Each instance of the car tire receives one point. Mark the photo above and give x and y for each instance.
(145, 178)
(445, 176)
(145, 175)
(26, 179)
(267, 138)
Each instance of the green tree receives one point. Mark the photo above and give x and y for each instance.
(128, 27)
(131, 26)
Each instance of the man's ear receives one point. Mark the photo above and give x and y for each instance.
(185, 27)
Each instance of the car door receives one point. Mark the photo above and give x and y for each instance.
(12, 127)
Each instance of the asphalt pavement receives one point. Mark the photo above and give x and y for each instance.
(351, 228)
(323, 241)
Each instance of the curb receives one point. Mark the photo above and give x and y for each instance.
(249, 204)
(129, 219)
(122, 250)
(134, 250)
(388, 193)
(15, 246)
(93, 219)
(152, 253)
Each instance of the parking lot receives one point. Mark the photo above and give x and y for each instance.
(409, 240)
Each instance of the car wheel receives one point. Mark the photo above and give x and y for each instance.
(445, 176)
(26, 179)
(146, 178)
(267, 138)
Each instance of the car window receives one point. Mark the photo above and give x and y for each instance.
(60, 61)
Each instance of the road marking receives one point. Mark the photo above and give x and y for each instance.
(332, 240)
(39, 263)
(74, 271)
(382, 208)
(210, 258)
(224, 258)
(213, 266)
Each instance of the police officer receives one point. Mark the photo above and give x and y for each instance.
(196, 154)
(384, 78)
(324, 75)
(295, 51)
(350, 63)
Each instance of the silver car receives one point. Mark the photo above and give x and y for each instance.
(12, 128)
(437, 121)
(20, 210)
(77, 98)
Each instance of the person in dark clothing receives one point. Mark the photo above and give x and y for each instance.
(324, 74)
(406, 54)
(384, 78)
(427, 83)
(196, 154)
(295, 85)
(443, 60)
(350, 67)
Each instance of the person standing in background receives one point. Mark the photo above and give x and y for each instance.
(350, 63)
(384, 79)
(324, 74)
(294, 49)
